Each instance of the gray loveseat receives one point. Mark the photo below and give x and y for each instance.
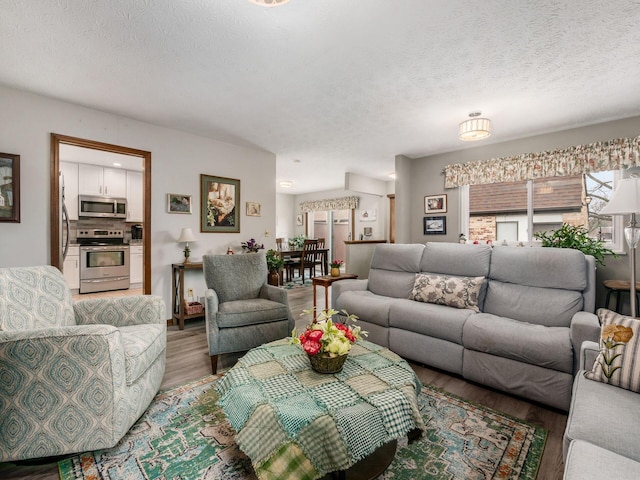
(601, 438)
(535, 310)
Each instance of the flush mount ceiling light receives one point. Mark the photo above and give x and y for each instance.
(286, 183)
(475, 128)
(269, 3)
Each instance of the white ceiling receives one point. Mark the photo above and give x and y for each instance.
(341, 86)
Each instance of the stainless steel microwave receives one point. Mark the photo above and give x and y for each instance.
(102, 207)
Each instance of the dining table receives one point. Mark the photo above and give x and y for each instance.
(297, 253)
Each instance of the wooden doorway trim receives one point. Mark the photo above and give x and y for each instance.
(392, 217)
(56, 141)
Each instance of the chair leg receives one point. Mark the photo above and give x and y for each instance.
(214, 364)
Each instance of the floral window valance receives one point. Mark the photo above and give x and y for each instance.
(596, 157)
(343, 203)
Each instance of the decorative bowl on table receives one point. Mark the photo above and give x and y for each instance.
(327, 343)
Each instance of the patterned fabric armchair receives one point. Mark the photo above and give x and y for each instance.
(242, 310)
(73, 376)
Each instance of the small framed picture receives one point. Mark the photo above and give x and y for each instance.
(435, 204)
(9, 187)
(177, 203)
(435, 225)
(253, 209)
(299, 220)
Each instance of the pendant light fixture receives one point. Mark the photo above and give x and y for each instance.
(475, 128)
(269, 3)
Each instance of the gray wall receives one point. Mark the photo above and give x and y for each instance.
(425, 177)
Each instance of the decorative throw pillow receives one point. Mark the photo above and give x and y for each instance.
(618, 362)
(458, 292)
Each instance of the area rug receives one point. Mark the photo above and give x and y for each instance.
(297, 283)
(185, 435)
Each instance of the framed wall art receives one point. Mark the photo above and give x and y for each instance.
(177, 203)
(9, 187)
(299, 219)
(253, 209)
(435, 225)
(435, 204)
(219, 204)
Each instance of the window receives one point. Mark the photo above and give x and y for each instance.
(513, 212)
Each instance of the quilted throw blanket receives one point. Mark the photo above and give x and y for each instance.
(295, 423)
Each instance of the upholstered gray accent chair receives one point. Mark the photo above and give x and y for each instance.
(73, 376)
(242, 310)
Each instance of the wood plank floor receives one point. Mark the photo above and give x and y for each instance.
(187, 359)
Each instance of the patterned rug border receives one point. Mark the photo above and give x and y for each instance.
(541, 434)
(530, 467)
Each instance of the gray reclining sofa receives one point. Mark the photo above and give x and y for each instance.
(534, 310)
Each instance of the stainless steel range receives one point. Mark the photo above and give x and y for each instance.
(104, 260)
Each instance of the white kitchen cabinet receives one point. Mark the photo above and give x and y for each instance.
(96, 180)
(71, 267)
(134, 197)
(136, 260)
(70, 172)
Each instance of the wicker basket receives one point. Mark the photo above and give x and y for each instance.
(191, 308)
(322, 364)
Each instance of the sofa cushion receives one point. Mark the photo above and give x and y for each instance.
(429, 319)
(388, 283)
(618, 362)
(253, 311)
(587, 461)
(457, 292)
(604, 415)
(393, 267)
(456, 259)
(548, 347)
(366, 305)
(142, 345)
(543, 306)
(560, 268)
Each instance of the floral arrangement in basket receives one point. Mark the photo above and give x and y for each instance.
(336, 263)
(327, 342)
(251, 245)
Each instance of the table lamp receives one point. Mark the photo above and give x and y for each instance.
(186, 236)
(626, 200)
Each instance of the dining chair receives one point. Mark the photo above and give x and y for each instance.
(320, 257)
(288, 261)
(308, 259)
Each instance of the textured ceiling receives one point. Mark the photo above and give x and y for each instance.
(341, 86)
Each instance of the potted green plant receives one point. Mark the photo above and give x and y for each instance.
(297, 241)
(274, 264)
(576, 237)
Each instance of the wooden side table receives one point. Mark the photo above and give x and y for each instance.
(326, 281)
(177, 289)
(619, 287)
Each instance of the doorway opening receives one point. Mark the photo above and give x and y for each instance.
(56, 211)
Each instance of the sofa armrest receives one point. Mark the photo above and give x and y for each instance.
(275, 294)
(588, 353)
(121, 311)
(77, 372)
(344, 285)
(585, 326)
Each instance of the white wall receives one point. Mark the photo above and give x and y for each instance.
(285, 215)
(177, 161)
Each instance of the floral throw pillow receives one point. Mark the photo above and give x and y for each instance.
(458, 292)
(618, 362)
